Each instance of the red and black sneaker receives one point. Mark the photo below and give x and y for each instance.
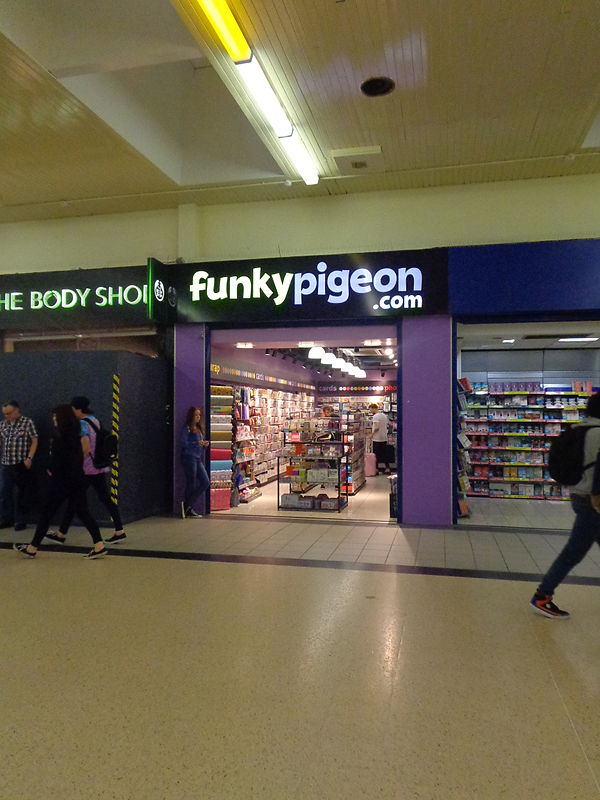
(542, 603)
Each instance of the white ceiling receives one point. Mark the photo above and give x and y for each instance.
(111, 106)
(527, 335)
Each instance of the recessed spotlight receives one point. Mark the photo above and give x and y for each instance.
(580, 339)
(389, 351)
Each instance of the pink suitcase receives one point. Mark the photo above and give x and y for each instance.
(370, 465)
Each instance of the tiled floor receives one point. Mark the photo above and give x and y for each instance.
(369, 503)
(499, 551)
(546, 514)
(152, 679)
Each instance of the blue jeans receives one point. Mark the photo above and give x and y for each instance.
(196, 480)
(586, 531)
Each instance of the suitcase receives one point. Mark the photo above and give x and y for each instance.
(370, 465)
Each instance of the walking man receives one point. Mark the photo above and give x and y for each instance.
(93, 476)
(19, 441)
(585, 500)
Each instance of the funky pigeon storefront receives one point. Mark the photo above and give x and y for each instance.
(405, 291)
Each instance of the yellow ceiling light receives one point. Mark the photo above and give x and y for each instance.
(227, 29)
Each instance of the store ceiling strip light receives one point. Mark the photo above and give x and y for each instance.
(257, 84)
(225, 26)
(580, 339)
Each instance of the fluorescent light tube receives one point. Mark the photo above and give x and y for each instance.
(244, 345)
(508, 341)
(225, 26)
(580, 339)
(260, 90)
(300, 158)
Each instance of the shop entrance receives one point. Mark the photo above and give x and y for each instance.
(524, 383)
(291, 422)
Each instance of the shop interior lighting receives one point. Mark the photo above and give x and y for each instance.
(580, 339)
(306, 344)
(244, 345)
(388, 351)
(316, 353)
(508, 341)
(256, 83)
(338, 363)
(372, 342)
(328, 358)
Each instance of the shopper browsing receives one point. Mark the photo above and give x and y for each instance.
(585, 501)
(193, 444)
(19, 441)
(380, 438)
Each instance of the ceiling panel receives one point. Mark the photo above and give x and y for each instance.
(484, 92)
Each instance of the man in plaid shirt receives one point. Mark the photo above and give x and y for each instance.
(19, 441)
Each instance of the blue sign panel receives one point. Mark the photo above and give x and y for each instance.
(535, 277)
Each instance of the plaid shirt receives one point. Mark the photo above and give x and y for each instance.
(16, 438)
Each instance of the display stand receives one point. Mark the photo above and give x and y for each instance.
(221, 419)
(463, 445)
(309, 462)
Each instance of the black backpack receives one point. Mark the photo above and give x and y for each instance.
(107, 446)
(566, 457)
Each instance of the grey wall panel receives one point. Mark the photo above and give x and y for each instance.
(41, 381)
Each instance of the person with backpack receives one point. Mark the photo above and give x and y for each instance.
(579, 450)
(99, 449)
(65, 482)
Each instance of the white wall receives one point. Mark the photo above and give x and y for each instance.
(111, 240)
(518, 211)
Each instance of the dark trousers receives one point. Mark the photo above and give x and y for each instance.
(382, 451)
(196, 480)
(16, 482)
(99, 485)
(586, 531)
(56, 494)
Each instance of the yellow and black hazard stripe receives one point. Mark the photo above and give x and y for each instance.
(115, 420)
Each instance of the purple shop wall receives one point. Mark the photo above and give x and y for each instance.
(427, 420)
(188, 381)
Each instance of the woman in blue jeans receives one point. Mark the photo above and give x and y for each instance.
(585, 500)
(193, 443)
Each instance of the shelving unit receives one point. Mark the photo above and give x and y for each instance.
(510, 432)
(221, 440)
(244, 447)
(463, 444)
(307, 463)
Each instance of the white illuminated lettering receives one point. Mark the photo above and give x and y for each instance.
(132, 295)
(304, 283)
(210, 289)
(101, 295)
(282, 286)
(198, 284)
(416, 275)
(413, 301)
(68, 298)
(360, 280)
(260, 283)
(396, 301)
(337, 283)
(385, 301)
(385, 280)
(241, 280)
(321, 267)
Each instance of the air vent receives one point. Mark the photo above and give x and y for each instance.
(355, 159)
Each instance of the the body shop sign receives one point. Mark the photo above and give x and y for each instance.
(82, 298)
(357, 286)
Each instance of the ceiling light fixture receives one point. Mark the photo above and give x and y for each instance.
(252, 76)
(372, 342)
(306, 344)
(244, 345)
(316, 352)
(328, 358)
(508, 341)
(580, 339)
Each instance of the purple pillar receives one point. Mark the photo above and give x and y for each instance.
(189, 390)
(426, 419)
